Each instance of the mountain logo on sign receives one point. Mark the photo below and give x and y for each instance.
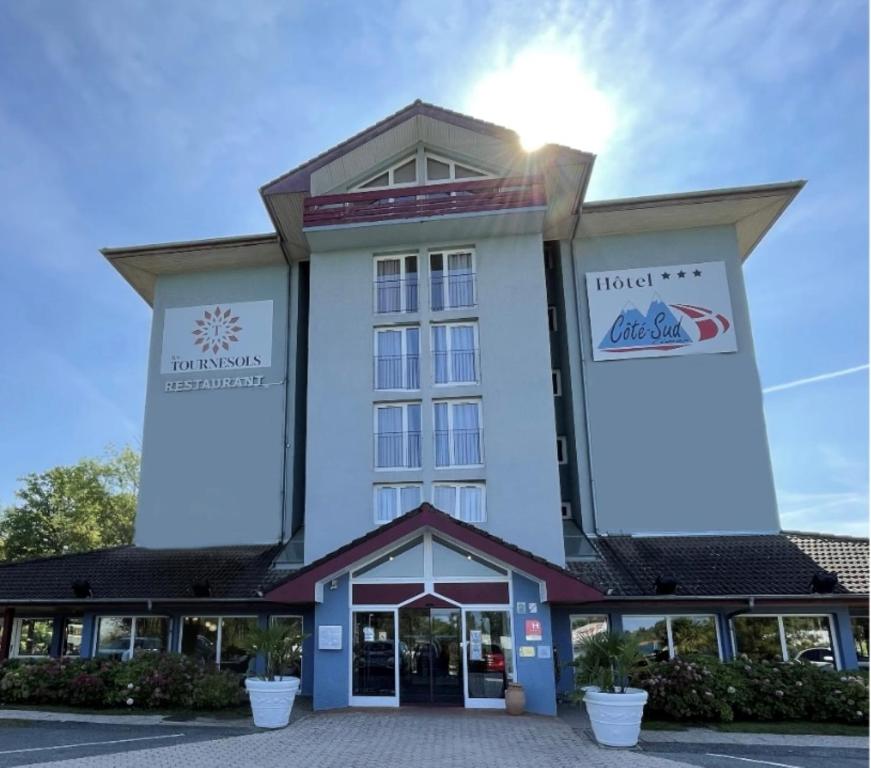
(660, 329)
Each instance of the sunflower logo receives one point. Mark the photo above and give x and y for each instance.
(216, 330)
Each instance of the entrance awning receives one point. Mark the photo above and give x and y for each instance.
(561, 585)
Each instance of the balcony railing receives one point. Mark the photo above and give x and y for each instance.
(478, 195)
(452, 290)
(396, 371)
(397, 450)
(459, 448)
(457, 366)
(393, 294)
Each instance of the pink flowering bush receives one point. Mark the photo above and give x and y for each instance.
(704, 689)
(148, 681)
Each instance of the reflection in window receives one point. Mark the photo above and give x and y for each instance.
(121, 637)
(72, 637)
(758, 637)
(808, 638)
(374, 661)
(860, 637)
(34, 637)
(584, 627)
(803, 638)
(490, 655)
(294, 624)
(217, 639)
(694, 635)
(650, 633)
(233, 653)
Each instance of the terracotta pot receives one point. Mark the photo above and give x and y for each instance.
(515, 699)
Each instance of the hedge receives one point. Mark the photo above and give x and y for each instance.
(705, 689)
(148, 681)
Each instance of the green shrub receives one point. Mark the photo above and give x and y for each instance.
(148, 681)
(704, 689)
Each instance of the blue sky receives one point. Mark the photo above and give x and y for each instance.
(135, 122)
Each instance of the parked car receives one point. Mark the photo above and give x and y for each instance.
(819, 657)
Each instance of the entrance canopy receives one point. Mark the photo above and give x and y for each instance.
(558, 585)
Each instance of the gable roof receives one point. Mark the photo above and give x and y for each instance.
(705, 566)
(137, 573)
(298, 179)
(562, 585)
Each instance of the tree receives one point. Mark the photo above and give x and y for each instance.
(75, 508)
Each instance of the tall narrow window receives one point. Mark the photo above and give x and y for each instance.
(455, 353)
(452, 280)
(395, 284)
(397, 358)
(465, 501)
(562, 451)
(457, 433)
(391, 501)
(397, 436)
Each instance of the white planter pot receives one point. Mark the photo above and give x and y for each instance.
(616, 717)
(272, 700)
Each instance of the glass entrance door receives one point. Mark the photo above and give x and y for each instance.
(489, 656)
(431, 661)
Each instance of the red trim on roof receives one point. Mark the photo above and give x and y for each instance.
(562, 585)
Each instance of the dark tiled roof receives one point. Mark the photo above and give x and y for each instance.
(139, 573)
(775, 564)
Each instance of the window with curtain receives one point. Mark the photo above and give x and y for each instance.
(397, 358)
(397, 436)
(391, 501)
(452, 279)
(465, 501)
(455, 353)
(395, 284)
(457, 433)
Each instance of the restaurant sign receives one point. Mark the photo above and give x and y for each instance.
(680, 309)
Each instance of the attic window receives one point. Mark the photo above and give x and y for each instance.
(401, 174)
(443, 169)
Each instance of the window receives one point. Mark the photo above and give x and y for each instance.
(218, 639)
(391, 501)
(455, 353)
(395, 284)
(562, 451)
(584, 627)
(293, 623)
(452, 279)
(32, 637)
(457, 433)
(552, 323)
(374, 654)
(72, 637)
(403, 173)
(122, 637)
(664, 637)
(566, 510)
(465, 501)
(443, 169)
(556, 382)
(785, 638)
(860, 637)
(397, 358)
(397, 436)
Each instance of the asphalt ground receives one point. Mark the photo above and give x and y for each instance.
(24, 742)
(757, 756)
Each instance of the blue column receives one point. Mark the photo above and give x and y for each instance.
(308, 650)
(535, 673)
(88, 630)
(332, 669)
(843, 629)
(57, 633)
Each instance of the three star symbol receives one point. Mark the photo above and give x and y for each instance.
(667, 275)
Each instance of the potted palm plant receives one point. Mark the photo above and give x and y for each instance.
(602, 675)
(272, 693)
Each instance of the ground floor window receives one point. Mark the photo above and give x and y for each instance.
(294, 623)
(121, 637)
(72, 637)
(860, 637)
(664, 637)
(374, 660)
(32, 637)
(584, 627)
(219, 639)
(785, 638)
(490, 653)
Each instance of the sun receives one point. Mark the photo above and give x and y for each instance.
(547, 97)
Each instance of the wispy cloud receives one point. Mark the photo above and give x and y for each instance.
(815, 379)
(845, 513)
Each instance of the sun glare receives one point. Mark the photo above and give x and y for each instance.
(546, 97)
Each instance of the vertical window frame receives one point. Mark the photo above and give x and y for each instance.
(403, 282)
(404, 355)
(397, 489)
(450, 402)
(449, 350)
(446, 253)
(457, 485)
(406, 435)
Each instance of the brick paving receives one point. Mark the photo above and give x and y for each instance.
(391, 739)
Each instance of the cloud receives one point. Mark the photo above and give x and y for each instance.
(815, 379)
(844, 513)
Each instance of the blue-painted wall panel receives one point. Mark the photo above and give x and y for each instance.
(535, 674)
(332, 668)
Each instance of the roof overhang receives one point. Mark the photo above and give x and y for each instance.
(561, 586)
(751, 210)
(140, 265)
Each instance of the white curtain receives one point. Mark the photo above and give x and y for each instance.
(442, 436)
(388, 285)
(463, 353)
(409, 498)
(466, 434)
(440, 354)
(388, 365)
(412, 358)
(444, 497)
(389, 437)
(461, 280)
(385, 505)
(413, 454)
(471, 508)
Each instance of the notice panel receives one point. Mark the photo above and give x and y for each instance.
(679, 309)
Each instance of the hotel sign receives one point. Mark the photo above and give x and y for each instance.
(217, 338)
(680, 309)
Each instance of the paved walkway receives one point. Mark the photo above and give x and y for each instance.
(391, 739)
